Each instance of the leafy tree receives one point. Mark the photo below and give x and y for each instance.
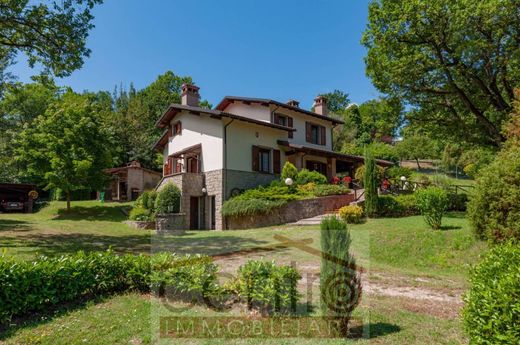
(20, 105)
(67, 147)
(134, 116)
(337, 101)
(455, 60)
(50, 33)
(416, 147)
(340, 284)
(376, 120)
(370, 184)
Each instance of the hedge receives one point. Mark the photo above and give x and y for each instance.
(492, 305)
(31, 286)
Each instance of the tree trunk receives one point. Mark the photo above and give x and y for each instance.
(418, 166)
(68, 200)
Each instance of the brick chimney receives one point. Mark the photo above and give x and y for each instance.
(190, 95)
(293, 103)
(320, 106)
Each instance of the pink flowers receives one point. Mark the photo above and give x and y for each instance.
(345, 180)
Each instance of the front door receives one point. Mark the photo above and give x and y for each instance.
(194, 213)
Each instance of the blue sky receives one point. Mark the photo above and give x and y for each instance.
(265, 48)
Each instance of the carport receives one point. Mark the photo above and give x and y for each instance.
(14, 193)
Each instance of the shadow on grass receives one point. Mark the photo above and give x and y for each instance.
(14, 225)
(450, 227)
(35, 319)
(57, 244)
(93, 213)
(375, 330)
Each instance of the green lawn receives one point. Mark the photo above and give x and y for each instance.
(395, 252)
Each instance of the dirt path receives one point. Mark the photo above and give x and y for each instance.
(415, 294)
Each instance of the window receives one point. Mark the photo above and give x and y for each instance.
(281, 120)
(264, 160)
(175, 129)
(315, 134)
(285, 121)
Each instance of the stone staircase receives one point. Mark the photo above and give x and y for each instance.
(317, 219)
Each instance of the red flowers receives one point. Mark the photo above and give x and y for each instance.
(345, 180)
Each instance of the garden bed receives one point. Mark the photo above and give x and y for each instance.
(290, 212)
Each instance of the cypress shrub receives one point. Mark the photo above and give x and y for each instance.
(340, 284)
(370, 184)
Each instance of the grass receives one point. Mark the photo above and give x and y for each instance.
(89, 225)
(132, 319)
(401, 248)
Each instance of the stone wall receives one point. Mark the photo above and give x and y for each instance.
(142, 225)
(291, 212)
(168, 224)
(246, 180)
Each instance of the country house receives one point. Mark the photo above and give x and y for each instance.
(213, 154)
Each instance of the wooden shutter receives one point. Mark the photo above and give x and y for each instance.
(276, 162)
(170, 130)
(308, 132)
(323, 139)
(276, 118)
(179, 127)
(256, 163)
(290, 124)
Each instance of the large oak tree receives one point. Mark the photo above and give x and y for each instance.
(457, 61)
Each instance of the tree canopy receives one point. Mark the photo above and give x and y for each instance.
(50, 33)
(67, 147)
(456, 61)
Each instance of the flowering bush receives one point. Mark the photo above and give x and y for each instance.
(351, 214)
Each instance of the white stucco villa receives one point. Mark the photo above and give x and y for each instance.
(211, 154)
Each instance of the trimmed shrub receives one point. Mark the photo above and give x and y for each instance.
(340, 284)
(267, 286)
(168, 199)
(494, 208)
(492, 305)
(289, 171)
(305, 176)
(370, 182)
(433, 203)
(407, 205)
(351, 214)
(389, 207)
(29, 286)
(330, 189)
(237, 206)
(140, 214)
(307, 189)
(396, 172)
(193, 277)
(144, 209)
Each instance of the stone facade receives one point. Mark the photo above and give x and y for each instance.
(215, 181)
(292, 212)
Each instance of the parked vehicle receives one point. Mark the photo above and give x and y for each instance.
(6, 205)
